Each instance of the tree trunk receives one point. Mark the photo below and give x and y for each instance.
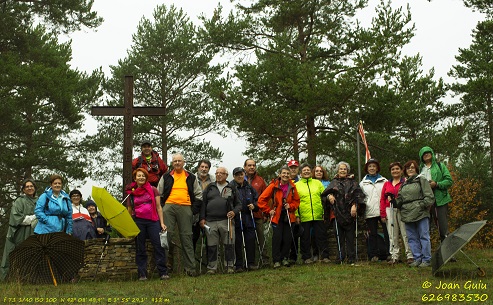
(311, 138)
(164, 138)
(489, 114)
(296, 148)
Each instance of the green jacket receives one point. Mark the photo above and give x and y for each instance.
(310, 191)
(17, 232)
(415, 199)
(440, 174)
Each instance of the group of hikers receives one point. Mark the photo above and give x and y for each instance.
(53, 211)
(299, 206)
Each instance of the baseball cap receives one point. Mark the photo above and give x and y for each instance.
(293, 163)
(145, 142)
(238, 170)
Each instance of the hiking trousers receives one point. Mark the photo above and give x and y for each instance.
(179, 218)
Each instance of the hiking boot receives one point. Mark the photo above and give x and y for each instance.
(424, 265)
(393, 262)
(375, 259)
(325, 260)
(191, 273)
(239, 270)
(410, 261)
(285, 263)
(350, 262)
(415, 264)
(277, 265)
(252, 267)
(230, 270)
(315, 258)
(143, 278)
(211, 272)
(164, 277)
(308, 261)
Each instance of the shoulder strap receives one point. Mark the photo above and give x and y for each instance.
(139, 164)
(440, 167)
(46, 202)
(274, 205)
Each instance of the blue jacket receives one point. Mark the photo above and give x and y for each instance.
(56, 216)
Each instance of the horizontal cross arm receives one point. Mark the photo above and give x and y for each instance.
(122, 111)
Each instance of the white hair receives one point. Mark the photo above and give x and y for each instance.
(343, 163)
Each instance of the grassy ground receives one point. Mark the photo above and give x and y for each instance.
(364, 283)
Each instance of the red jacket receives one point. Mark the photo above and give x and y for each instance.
(388, 188)
(273, 192)
(156, 168)
(259, 185)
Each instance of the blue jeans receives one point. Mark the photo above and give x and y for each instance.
(418, 236)
(149, 230)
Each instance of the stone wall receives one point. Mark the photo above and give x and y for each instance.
(118, 261)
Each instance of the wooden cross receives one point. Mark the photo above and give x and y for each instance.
(128, 111)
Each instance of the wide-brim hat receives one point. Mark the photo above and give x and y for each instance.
(370, 161)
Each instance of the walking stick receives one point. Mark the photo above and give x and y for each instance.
(243, 238)
(356, 247)
(106, 241)
(261, 259)
(268, 228)
(337, 234)
(292, 235)
(391, 212)
(230, 239)
(202, 250)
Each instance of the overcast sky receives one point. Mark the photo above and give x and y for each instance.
(442, 26)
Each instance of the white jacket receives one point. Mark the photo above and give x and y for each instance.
(373, 191)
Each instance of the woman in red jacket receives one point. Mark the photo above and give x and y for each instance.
(280, 199)
(392, 216)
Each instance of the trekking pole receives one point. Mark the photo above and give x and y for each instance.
(268, 228)
(243, 239)
(202, 250)
(291, 229)
(106, 241)
(230, 239)
(391, 212)
(261, 260)
(356, 247)
(337, 234)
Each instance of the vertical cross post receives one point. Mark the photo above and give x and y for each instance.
(128, 111)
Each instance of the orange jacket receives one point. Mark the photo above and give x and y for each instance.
(273, 194)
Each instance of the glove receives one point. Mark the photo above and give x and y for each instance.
(393, 202)
(28, 220)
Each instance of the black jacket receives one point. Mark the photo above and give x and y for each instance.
(346, 192)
